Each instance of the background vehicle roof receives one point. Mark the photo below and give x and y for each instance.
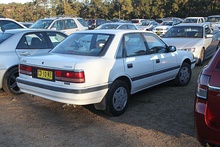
(14, 31)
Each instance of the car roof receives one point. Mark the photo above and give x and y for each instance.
(113, 31)
(15, 31)
(192, 24)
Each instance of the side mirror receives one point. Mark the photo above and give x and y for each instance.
(171, 48)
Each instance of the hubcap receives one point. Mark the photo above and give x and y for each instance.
(184, 75)
(120, 98)
(12, 83)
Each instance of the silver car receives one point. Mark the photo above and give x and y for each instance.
(197, 38)
(17, 43)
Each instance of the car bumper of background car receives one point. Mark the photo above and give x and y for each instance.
(68, 96)
(2, 72)
(205, 131)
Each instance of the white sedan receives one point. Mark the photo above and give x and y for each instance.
(197, 38)
(103, 67)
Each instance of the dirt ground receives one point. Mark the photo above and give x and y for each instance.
(160, 116)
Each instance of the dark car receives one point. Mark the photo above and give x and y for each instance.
(207, 103)
(94, 23)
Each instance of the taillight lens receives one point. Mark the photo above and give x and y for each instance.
(70, 76)
(25, 69)
(202, 86)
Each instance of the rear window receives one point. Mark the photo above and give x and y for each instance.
(135, 21)
(4, 36)
(87, 44)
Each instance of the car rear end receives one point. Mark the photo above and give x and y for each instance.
(207, 102)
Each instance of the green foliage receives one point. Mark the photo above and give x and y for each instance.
(110, 9)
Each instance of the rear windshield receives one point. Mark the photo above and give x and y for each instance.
(87, 44)
(4, 36)
(213, 19)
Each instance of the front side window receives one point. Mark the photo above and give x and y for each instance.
(82, 22)
(58, 25)
(70, 24)
(87, 44)
(155, 44)
(134, 45)
(55, 38)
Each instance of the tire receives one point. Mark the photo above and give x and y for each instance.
(9, 82)
(201, 58)
(117, 98)
(184, 75)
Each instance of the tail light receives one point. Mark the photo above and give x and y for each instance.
(202, 86)
(25, 69)
(70, 76)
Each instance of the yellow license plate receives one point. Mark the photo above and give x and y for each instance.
(44, 74)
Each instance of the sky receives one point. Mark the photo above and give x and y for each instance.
(16, 1)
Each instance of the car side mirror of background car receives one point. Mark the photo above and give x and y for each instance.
(171, 48)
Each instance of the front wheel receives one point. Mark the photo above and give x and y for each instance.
(117, 98)
(9, 82)
(184, 75)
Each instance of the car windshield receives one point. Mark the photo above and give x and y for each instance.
(87, 44)
(42, 24)
(145, 23)
(82, 22)
(108, 26)
(213, 19)
(167, 23)
(4, 36)
(185, 31)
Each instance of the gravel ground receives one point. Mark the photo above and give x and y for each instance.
(160, 116)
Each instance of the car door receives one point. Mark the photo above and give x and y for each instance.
(164, 63)
(137, 63)
(32, 43)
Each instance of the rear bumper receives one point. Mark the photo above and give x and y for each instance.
(63, 95)
(205, 131)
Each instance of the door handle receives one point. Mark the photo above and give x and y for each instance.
(157, 60)
(130, 65)
(25, 54)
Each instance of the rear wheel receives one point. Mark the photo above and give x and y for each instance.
(201, 58)
(117, 98)
(184, 75)
(9, 82)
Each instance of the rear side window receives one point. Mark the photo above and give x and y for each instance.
(32, 41)
(4, 36)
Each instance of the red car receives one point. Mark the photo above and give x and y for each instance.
(207, 103)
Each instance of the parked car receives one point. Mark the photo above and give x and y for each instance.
(137, 21)
(7, 23)
(194, 20)
(66, 25)
(163, 27)
(214, 21)
(148, 25)
(94, 23)
(118, 25)
(207, 101)
(103, 67)
(27, 24)
(196, 38)
(17, 43)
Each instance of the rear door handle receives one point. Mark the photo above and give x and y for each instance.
(25, 54)
(130, 65)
